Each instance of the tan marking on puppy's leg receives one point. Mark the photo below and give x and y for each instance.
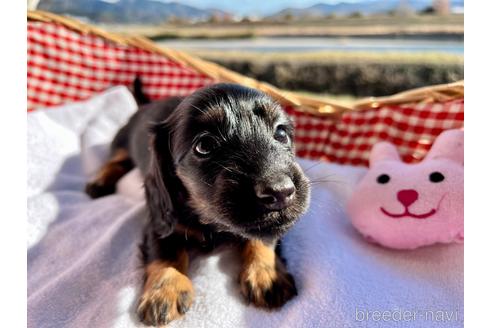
(105, 181)
(264, 279)
(168, 292)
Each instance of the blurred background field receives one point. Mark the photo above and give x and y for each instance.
(339, 73)
(330, 48)
(432, 25)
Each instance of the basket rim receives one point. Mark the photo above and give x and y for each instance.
(311, 105)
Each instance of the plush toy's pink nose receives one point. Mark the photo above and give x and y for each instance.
(407, 197)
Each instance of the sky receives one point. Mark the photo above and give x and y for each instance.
(258, 7)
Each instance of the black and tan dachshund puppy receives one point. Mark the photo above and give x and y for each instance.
(219, 169)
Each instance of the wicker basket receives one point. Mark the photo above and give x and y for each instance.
(70, 61)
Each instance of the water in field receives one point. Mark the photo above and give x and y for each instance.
(301, 44)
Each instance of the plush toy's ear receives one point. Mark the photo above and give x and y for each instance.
(383, 151)
(449, 144)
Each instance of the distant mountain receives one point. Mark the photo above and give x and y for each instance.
(154, 12)
(127, 11)
(363, 7)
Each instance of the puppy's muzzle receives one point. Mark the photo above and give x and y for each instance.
(275, 194)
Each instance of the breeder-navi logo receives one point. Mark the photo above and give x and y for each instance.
(398, 315)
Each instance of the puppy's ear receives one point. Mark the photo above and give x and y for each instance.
(161, 182)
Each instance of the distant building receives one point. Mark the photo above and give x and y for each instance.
(441, 7)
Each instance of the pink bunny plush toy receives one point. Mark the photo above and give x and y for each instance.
(405, 206)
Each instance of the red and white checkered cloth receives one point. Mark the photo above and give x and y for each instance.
(64, 66)
(348, 140)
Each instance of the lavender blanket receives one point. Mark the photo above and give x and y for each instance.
(83, 259)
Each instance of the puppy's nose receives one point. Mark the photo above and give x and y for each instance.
(407, 197)
(276, 195)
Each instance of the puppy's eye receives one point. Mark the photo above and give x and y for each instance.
(281, 134)
(436, 177)
(383, 178)
(205, 146)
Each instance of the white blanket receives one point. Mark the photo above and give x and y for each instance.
(83, 257)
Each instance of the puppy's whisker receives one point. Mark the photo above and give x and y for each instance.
(225, 167)
(314, 183)
(231, 181)
(331, 180)
(324, 176)
(322, 180)
(205, 182)
(326, 179)
(202, 111)
(230, 169)
(222, 135)
(313, 166)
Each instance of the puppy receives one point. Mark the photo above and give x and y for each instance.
(219, 168)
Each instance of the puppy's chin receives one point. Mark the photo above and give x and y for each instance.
(261, 225)
(265, 230)
(272, 223)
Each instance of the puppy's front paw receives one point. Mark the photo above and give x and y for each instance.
(168, 294)
(267, 286)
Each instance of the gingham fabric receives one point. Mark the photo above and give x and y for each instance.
(349, 139)
(64, 66)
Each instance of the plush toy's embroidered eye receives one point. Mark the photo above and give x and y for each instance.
(205, 145)
(436, 177)
(383, 178)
